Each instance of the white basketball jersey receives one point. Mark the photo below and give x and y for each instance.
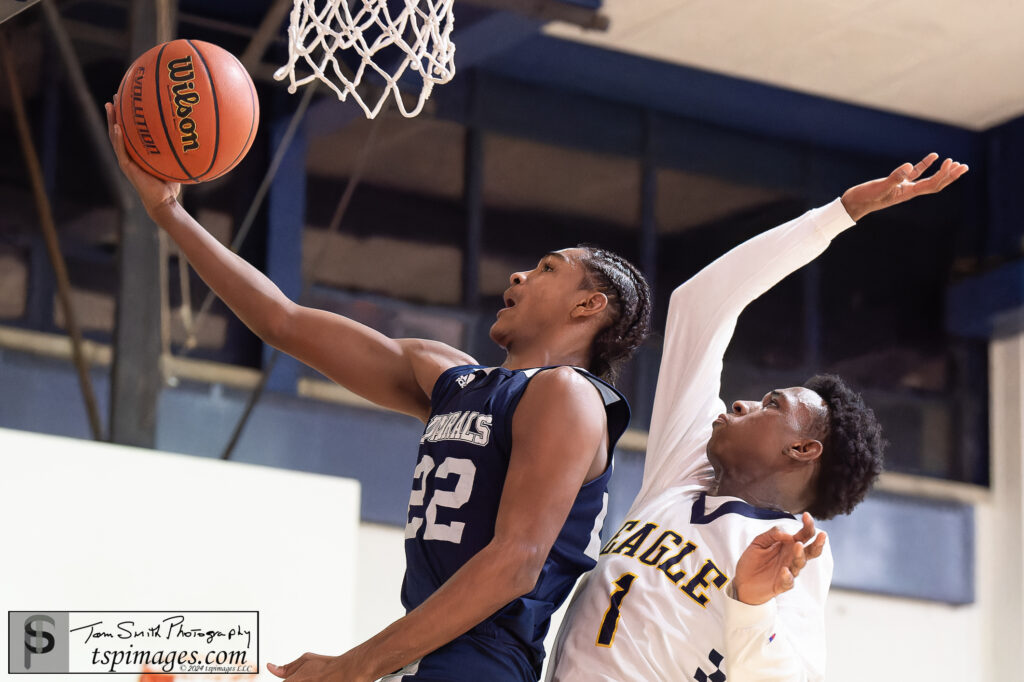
(659, 606)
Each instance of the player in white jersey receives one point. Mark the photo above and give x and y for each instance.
(700, 581)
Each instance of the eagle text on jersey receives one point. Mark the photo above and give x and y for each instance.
(468, 427)
(666, 551)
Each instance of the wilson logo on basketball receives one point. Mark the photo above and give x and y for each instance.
(189, 109)
(139, 113)
(185, 97)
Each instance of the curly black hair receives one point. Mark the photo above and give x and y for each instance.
(851, 458)
(629, 300)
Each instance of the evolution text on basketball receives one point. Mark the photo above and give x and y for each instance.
(139, 113)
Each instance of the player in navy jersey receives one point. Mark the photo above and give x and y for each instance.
(508, 490)
(469, 438)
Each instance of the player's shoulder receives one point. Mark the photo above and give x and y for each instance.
(555, 384)
(436, 352)
(431, 359)
(561, 398)
(562, 375)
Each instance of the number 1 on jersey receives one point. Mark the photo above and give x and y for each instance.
(610, 622)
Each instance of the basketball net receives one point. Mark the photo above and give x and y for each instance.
(421, 30)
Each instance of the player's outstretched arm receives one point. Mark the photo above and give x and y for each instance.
(397, 374)
(703, 311)
(558, 428)
(702, 315)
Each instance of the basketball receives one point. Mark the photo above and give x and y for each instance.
(188, 110)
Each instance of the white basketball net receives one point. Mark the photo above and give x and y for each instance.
(422, 30)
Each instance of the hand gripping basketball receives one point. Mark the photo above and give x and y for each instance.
(153, 191)
(188, 111)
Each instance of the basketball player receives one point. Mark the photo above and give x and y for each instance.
(508, 492)
(717, 572)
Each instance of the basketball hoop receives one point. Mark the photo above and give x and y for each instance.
(419, 36)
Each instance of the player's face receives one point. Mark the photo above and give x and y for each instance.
(540, 299)
(759, 436)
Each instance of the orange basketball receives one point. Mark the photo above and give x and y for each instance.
(188, 110)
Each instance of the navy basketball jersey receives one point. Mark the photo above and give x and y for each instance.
(457, 484)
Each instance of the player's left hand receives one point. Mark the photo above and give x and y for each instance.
(317, 668)
(903, 184)
(769, 566)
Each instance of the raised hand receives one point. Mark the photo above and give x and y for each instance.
(901, 185)
(770, 565)
(153, 191)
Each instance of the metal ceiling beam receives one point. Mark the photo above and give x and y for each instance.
(96, 129)
(727, 103)
(266, 33)
(491, 36)
(549, 10)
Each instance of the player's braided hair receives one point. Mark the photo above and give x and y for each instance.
(629, 301)
(851, 458)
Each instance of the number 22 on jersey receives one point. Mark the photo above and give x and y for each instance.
(449, 499)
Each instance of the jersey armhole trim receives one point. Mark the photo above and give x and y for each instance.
(616, 408)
